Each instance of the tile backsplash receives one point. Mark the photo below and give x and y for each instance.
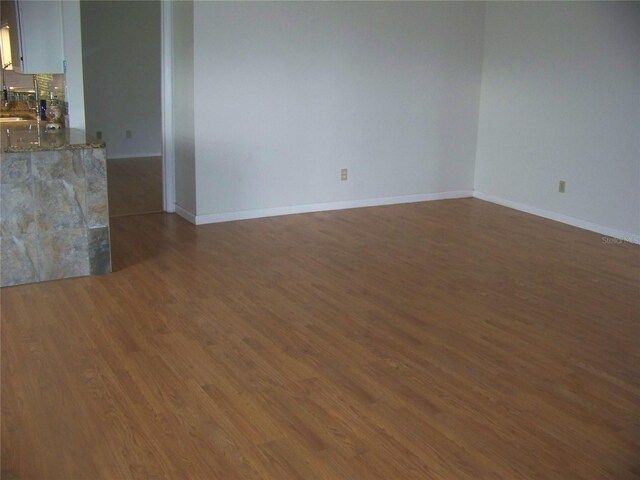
(50, 86)
(21, 95)
(21, 86)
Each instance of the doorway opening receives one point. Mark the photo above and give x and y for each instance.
(122, 70)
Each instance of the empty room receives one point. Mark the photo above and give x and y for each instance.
(396, 240)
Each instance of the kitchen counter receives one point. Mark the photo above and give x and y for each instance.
(29, 136)
(54, 220)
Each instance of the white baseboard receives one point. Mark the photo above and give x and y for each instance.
(558, 217)
(374, 202)
(186, 214)
(317, 207)
(136, 155)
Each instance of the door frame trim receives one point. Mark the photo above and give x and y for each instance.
(168, 128)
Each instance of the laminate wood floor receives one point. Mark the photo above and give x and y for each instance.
(443, 340)
(135, 185)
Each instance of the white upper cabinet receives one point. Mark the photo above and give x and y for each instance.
(40, 36)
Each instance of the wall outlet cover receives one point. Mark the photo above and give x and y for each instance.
(562, 186)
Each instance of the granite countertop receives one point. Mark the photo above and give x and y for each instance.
(29, 136)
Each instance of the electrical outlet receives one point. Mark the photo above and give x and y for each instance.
(344, 174)
(562, 186)
(128, 133)
(99, 135)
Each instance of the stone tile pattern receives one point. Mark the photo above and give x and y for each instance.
(54, 215)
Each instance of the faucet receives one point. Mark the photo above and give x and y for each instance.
(37, 107)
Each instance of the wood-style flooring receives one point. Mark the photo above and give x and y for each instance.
(135, 185)
(444, 340)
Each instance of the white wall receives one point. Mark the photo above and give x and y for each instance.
(288, 93)
(561, 100)
(121, 57)
(72, 41)
(183, 105)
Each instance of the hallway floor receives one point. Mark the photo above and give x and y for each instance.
(135, 185)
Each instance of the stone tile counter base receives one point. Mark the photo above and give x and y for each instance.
(54, 215)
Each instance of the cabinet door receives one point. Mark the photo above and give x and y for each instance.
(41, 42)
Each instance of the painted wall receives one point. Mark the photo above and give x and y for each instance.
(74, 82)
(121, 59)
(288, 93)
(561, 100)
(183, 104)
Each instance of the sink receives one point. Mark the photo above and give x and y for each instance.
(15, 119)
